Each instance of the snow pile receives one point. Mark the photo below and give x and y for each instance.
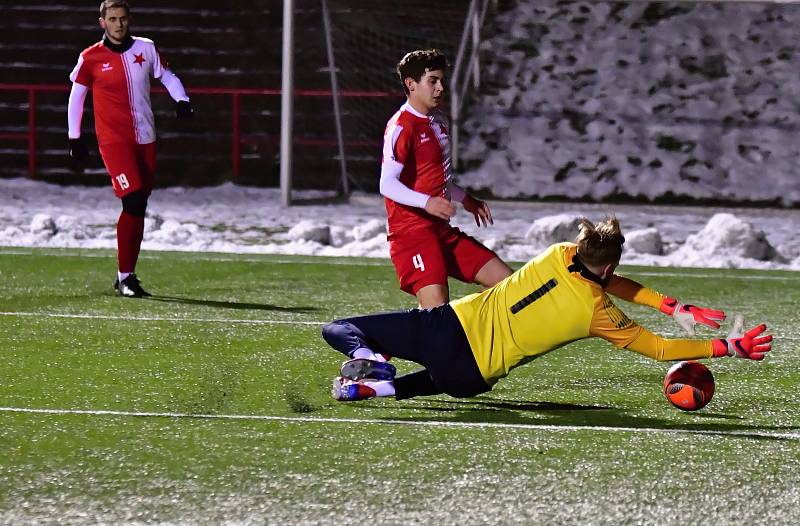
(230, 218)
(645, 241)
(553, 229)
(310, 231)
(43, 226)
(643, 99)
(728, 240)
(369, 230)
(175, 233)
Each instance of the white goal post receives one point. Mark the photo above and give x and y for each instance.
(287, 102)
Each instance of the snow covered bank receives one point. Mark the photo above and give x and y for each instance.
(647, 99)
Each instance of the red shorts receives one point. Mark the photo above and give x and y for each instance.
(426, 256)
(131, 167)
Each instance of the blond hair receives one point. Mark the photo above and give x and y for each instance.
(105, 5)
(600, 244)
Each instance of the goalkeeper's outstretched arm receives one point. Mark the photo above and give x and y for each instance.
(664, 349)
(750, 345)
(686, 315)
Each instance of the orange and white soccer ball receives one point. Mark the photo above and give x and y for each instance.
(689, 385)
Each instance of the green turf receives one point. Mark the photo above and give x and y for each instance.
(579, 436)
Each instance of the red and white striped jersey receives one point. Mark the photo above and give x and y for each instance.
(420, 143)
(120, 84)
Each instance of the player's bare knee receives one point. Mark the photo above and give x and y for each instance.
(135, 203)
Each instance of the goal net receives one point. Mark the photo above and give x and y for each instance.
(369, 39)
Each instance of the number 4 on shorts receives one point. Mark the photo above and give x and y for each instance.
(418, 263)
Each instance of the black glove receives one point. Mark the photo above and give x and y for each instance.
(184, 110)
(78, 151)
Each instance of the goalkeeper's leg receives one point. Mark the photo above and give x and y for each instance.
(404, 334)
(418, 383)
(432, 338)
(459, 379)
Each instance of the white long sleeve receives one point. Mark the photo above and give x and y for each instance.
(394, 189)
(174, 86)
(77, 96)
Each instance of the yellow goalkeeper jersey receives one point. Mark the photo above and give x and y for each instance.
(554, 300)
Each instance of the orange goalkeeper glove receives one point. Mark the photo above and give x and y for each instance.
(749, 345)
(688, 316)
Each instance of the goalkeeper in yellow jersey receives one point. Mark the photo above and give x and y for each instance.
(560, 296)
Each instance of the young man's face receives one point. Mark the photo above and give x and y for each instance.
(426, 94)
(116, 24)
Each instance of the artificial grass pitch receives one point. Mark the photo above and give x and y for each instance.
(210, 403)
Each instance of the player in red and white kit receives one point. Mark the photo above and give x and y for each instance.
(416, 181)
(118, 70)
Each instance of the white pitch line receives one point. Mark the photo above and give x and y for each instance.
(367, 262)
(305, 260)
(227, 320)
(265, 257)
(155, 318)
(423, 423)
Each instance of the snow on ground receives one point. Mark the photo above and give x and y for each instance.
(237, 219)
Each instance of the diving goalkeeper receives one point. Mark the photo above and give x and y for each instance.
(558, 297)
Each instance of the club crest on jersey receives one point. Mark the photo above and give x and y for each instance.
(139, 59)
(107, 66)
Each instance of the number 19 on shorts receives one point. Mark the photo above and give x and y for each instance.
(122, 182)
(418, 263)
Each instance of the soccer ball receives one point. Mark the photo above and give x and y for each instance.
(689, 385)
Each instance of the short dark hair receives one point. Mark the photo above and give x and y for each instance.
(416, 63)
(108, 4)
(600, 244)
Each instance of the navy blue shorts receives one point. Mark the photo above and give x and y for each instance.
(433, 338)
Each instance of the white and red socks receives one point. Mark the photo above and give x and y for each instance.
(381, 387)
(363, 352)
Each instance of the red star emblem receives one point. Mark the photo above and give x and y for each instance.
(139, 59)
